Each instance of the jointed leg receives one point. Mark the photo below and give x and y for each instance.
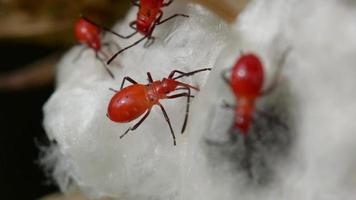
(227, 105)
(127, 78)
(109, 44)
(121, 36)
(133, 25)
(150, 40)
(273, 118)
(83, 48)
(150, 79)
(124, 49)
(111, 89)
(224, 77)
(188, 95)
(107, 29)
(277, 73)
(182, 74)
(137, 124)
(167, 4)
(158, 22)
(104, 65)
(169, 123)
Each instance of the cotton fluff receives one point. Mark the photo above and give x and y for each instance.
(144, 164)
(310, 159)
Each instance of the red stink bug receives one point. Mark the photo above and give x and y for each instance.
(149, 16)
(246, 81)
(89, 34)
(133, 101)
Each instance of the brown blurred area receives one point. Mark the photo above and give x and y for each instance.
(47, 24)
(50, 22)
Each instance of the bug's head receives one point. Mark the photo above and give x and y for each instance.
(168, 85)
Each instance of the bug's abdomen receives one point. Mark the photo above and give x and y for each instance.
(128, 104)
(247, 76)
(244, 111)
(88, 34)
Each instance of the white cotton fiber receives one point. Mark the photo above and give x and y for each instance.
(301, 151)
(312, 159)
(144, 163)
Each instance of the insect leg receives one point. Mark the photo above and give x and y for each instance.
(137, 124)
(158, 22)
(83, 48)
(133, 25)
(111, 89)
(149, 42)
(169, 123)
(167, 4)
(150, 79)
(109, 44)
(273, 118)
(182, 74)
(124, 49)
(121, 36)
(188, 95)
(107, 29)
(103, 63)
(128, 79)
(227, 105)
(277, 74)
(224, 77)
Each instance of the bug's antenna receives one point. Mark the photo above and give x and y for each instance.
(191, 73)
(124, 49)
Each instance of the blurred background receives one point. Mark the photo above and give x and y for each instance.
(33, 35)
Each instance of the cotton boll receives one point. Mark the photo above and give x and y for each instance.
(320, 68)
(317, 162)
(228, 168)
(311, 159)
(144, 164)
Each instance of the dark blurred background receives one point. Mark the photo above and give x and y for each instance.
(33, 35)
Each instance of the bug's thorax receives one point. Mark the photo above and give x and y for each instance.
(160, 89)
(244, 113)
(147, 15)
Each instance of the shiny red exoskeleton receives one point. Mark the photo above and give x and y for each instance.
(88, 34)
(246, 82)
(149, 11)
(133, 101)
(148, 17)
